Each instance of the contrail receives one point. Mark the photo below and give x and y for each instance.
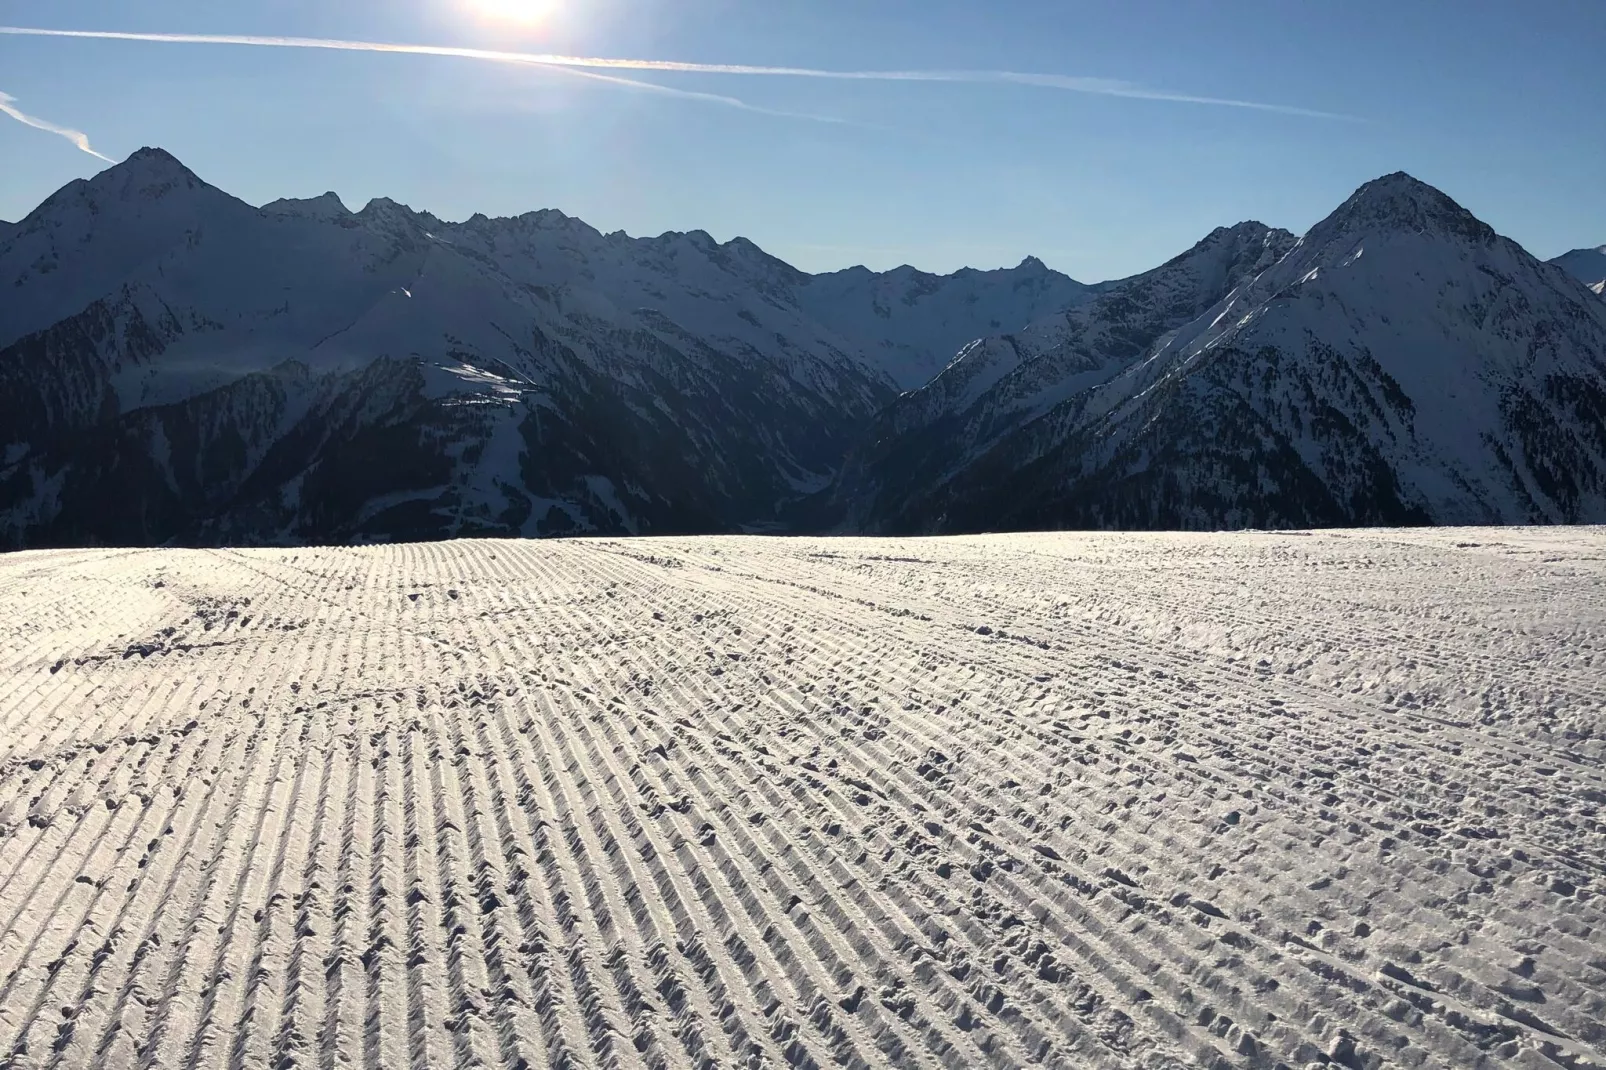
(1097, 86)
(688, 94)
(77, 137)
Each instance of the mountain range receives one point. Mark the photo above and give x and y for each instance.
(178, 366)
(1399, 364)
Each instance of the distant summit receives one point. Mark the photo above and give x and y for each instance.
(327, 206)
(1587, 265)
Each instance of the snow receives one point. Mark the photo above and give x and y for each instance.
(601, 487)
(1064, 800)
(916, 321)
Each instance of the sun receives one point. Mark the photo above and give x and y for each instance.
(526, 12)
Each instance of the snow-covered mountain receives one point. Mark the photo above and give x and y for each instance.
(179, 366)
(176, 364)
(998, 382)
(1401, 363)
(915, 321)
(1589, 265)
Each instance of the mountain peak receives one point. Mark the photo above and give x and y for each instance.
(150, 177)
(1401, 202)
(701, 239)
(1249, 229)
(385, 210)
(150, 171)
(327, 206)
(1249, 238)
(152, 155)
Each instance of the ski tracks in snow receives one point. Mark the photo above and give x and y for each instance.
(1070, 800)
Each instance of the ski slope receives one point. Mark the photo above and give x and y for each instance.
(1063, 799)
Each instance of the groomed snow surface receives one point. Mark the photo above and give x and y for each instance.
(1071, 800)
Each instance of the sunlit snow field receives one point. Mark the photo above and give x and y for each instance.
(1068, 799)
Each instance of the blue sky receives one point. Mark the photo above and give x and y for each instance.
(1502, 105)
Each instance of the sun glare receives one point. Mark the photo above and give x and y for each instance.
(526, 12)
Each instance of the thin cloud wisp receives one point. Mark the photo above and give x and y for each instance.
(8, 105)
(1093, 86)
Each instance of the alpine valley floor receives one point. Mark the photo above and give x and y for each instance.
(1071, 800)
